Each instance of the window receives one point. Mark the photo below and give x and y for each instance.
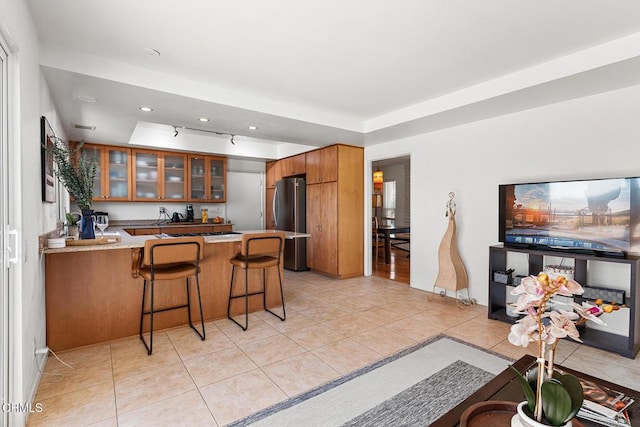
(389, 200)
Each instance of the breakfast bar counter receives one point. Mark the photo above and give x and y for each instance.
(93, 293)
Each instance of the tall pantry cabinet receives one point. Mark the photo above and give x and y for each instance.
(335, 210)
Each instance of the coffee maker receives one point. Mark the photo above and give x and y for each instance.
(189, 212)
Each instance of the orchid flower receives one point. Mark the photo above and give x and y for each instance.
(520, 334)
(561, 326)
(589, 312)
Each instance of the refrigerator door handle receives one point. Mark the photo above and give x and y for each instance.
(275, 204)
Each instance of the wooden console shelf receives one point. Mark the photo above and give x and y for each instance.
(625, 345)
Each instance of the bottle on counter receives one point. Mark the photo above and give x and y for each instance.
(205, 215)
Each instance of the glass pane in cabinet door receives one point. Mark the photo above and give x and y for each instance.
(93, 155)
(217, 179)
(174, 177)
(197, 178)
(146, 175)
(118, 179)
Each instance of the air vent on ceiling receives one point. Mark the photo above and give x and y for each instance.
(83, 127)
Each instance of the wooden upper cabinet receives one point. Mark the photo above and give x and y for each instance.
(322, 165)
(207, 179)
(294, 165)
(113, 173)
(159, 175)
(273, 172)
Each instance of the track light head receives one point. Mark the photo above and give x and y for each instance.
(232, 141)
(175, 128)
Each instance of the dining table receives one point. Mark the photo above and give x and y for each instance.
(387, 229)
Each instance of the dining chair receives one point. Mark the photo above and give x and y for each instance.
(377, 240)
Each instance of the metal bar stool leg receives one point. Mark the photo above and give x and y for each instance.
(144, 294)
(203, 335)
(264, 290)
(246, 299)
(149, 346)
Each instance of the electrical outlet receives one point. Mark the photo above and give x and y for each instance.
(163, 210)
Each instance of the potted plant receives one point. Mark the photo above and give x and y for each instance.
(71, 223)
(552, 398)
(76, 173)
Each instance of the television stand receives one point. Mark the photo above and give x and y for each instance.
(586, 266)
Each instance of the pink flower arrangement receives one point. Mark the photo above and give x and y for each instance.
(544, 327)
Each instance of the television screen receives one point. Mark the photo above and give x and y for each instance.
(593, 215)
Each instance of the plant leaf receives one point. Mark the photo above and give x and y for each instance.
(526, 388)
(556, 402)
(574, 388)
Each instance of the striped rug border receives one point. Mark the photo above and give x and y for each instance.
(292, 401)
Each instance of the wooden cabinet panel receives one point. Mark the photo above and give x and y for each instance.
(273, 171)
(269, 222)
(113, 172)
(174, 177)
(207, 179)
(335, 217)
(294, 165)
(322, 225)
(322, 165)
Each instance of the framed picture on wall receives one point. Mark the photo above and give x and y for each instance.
(46, 161)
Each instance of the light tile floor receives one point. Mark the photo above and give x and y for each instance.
(333, 327)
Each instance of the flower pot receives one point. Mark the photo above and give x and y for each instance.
(521, 419)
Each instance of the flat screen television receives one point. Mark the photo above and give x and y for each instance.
(599, 216)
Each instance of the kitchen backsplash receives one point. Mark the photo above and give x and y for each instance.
(122, 211)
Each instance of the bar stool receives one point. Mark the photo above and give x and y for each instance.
(169, 259)
(259, 250)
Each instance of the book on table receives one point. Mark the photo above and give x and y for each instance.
(604, 405)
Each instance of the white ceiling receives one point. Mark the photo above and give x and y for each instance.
(318, 72)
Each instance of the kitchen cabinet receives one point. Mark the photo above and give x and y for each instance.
(159, 175)
(113, 173)
(207, 179)
(335, 209)
(293, 166)
(269, 220)
(322, 250)
(322, 164)
(273, 171)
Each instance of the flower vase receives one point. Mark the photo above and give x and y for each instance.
(86, 226)
(522, 419)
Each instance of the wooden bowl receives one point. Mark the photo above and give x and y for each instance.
(489, 413)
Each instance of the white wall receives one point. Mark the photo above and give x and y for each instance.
(29, 99)
(591, 137)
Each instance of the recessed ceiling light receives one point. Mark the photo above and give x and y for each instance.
(85, 98)
(151, 52)
(253, 127)
(203, 119)
(146, 109)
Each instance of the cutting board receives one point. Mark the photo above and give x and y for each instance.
(98, 241)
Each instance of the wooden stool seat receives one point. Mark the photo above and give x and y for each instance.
(169, 272)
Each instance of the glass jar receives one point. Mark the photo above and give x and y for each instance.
(205, 215)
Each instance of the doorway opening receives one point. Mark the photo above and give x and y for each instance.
(391, 219)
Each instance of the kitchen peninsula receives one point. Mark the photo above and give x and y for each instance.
(93, 293)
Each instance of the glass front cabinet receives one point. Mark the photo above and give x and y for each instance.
(207, 179)
(159, 176)
(112, 172)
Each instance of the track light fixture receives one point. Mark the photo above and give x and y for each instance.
(176, 132)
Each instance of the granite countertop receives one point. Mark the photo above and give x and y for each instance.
(129, 241)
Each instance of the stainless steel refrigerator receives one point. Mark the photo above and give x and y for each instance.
(290, 214)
